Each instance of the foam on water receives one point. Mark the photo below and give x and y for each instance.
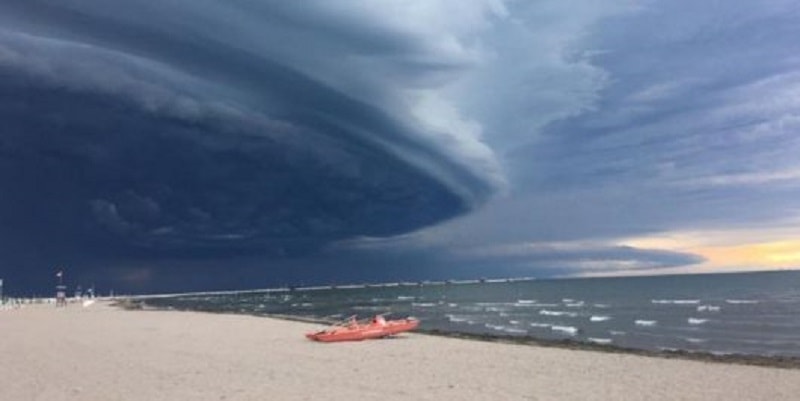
(546, 312)
(541, 325)
(405, 298)
(616, 333)
(526, 301)
(506, 329)
(639, 322)
(694, 320)
(599, 318)
(565, 329)
(599, 340)
(708, 308)
(695, 340)
(741, 301)
(574, 304)
(423, 304)
(456, 319)
(676, 301)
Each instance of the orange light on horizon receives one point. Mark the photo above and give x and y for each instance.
(777, 254)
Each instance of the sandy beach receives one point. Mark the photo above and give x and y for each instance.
(105, 353)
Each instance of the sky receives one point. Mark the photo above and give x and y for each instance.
(195, 144)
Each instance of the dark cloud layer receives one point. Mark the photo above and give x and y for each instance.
(255, 142)
(125, 142)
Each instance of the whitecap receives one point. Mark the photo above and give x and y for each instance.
(423, 304)
(675, 301)
(741, 301)
(693, 320)
(645, 322)
(543, 325)
(574, 304)
(405, 298)
(514, 321)
(616, 333)
(599, 318)
(695, 340)
(456, 319)
(708, 308)
(514, 330)
(565, 329)
(601, 306)
(526, 301)
(599, 340)
(546, 312)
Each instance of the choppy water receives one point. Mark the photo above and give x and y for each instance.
(727, 314)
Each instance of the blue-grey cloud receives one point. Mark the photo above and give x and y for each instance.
(199, 129)
(208, 130)
(666, 116)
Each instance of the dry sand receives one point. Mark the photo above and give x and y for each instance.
(106, 354)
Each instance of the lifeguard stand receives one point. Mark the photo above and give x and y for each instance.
(61, 291)
(61, 295)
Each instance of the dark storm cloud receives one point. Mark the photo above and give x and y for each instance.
(135, 131)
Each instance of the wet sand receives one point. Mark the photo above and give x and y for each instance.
(106, 353)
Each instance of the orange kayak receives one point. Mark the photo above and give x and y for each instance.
(353, 330)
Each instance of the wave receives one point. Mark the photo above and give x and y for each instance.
(510, 330)
(599, 318)
(574, 304)
(741, 301)
(405, 298)
(599, 340)
(513, 321)
(565, 329)
(708, 308)
(546, 312)
(542, 325)
(457, 319)
(695, 340)
(493, 303)
(646, 323)
(616, 333)
(693, 320)
(675, 301)
(423, 304)
(526, 301)
(369, 308)
(538, 305)
(601, 306)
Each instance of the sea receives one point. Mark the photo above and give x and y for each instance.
(737, 314)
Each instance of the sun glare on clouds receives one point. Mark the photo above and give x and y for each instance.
(730, 250)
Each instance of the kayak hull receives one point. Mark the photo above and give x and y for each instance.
(359, 332)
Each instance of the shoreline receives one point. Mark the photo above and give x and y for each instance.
(781, 362)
